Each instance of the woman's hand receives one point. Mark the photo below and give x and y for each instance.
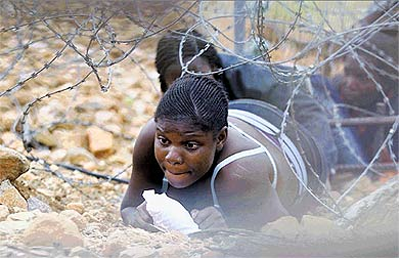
(208, 218)
(138, 217)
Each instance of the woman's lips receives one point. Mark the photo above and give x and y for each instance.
(178, 179)
(176, 173)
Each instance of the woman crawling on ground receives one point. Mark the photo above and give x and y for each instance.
(227, 170)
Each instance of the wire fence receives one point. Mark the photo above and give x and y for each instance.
(69, 66)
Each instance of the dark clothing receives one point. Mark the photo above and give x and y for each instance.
(258, 82)
(347, 140)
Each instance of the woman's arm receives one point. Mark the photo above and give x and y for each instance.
(146, 174)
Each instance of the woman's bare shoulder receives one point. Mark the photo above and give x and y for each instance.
(149, 128)
(147, 131)
(144, 142)
(244, 175)
(235, 143)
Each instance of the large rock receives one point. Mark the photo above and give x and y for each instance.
(100, 142)
(10, 197)
(287, 227)
(52, 229)
(12, 164)
(315, 228)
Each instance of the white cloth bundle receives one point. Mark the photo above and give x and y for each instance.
(169, 214)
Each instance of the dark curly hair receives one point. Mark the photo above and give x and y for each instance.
(168, 53)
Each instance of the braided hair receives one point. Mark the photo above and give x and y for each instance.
(197, 100)
(168, 53)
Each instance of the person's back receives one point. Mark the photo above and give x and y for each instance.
(223, 168)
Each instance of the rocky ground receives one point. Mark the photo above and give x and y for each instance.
(43, 216)
(50, 210)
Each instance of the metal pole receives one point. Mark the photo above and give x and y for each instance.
(239, 25)
(359, 168)
(384, 120)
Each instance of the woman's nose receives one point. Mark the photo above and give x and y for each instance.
(173, 157)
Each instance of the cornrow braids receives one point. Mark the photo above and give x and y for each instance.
(196, 100)
(168, 53)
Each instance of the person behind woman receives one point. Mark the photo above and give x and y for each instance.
(371, 76)
(228, 168)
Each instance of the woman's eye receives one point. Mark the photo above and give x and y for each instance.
(191, 145)
(163, 140)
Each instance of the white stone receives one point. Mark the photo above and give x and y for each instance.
(51, 229)
(9, 227)
(21, 216)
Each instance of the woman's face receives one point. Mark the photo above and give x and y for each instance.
(185, 154)
(199, 65)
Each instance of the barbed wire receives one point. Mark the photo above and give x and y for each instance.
(93, 39)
